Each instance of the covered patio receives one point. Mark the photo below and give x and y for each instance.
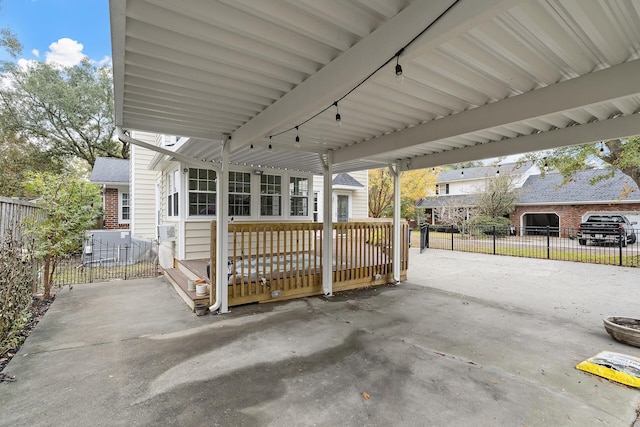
(330, 87)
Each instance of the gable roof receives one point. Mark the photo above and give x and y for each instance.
(346, 180)
(548, 189)
(108, 170)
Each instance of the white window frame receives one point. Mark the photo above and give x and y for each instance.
(293, 196)
(121, 206)
(233, 185)
(199, 191)
(173, 193)
(267, 192)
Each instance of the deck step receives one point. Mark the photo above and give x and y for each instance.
(178, 280)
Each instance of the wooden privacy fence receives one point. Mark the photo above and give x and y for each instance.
(12, 214)
(269, 261)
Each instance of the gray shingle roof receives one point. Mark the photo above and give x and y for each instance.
(479, 172)
(548, 189)
(107, 170)
(458, 200)
(346, 180)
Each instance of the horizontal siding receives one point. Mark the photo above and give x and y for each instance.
(143, 189)
(197, 235)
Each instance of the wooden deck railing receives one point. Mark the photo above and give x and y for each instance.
(269, 261)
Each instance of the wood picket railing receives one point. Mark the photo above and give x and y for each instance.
(270, 261)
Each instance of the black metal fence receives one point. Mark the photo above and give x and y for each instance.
(104, 261)
(544, 242)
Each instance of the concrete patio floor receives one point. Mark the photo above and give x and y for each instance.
(469, 339)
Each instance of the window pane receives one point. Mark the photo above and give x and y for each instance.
(202, 192)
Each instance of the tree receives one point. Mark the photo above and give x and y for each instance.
(498, 198)
(616, 154)
(18, 157)
(413, 187)
(9, 42)
(70, 207)
(67, 111)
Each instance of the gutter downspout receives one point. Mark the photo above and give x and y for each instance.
(124, 138)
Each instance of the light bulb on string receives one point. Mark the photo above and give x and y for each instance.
(251, 148)
(601, 147)
(297, 138)
(338, 116)
(399, 73)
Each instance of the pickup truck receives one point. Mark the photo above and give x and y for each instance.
(602, 228)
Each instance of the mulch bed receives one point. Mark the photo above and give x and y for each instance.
(38, 309)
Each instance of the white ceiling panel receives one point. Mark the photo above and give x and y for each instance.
(481, 77)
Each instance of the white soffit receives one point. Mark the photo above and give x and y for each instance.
(486, 78)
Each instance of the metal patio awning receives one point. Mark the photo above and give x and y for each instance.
(482, 78)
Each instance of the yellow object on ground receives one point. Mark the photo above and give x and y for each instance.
(616, 367)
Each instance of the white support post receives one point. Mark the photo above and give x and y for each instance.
(397, 232)
(327, 226)
(222, 230)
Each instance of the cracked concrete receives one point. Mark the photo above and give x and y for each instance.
(468, 340)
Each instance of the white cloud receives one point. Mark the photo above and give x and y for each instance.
(104, 62)
(36, 53)
(65, 52)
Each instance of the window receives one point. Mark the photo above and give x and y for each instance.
(315, 207)
(270, 195)
(437, 189)
(202, 192)
(446, 189)
(125, 213)
(239, 194)
(172, 193)
(299, 193)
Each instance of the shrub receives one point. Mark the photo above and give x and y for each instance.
(17, 279)
(487, 226)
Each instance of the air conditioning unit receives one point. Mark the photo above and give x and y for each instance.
(166, 233)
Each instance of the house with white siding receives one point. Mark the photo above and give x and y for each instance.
(176, 202)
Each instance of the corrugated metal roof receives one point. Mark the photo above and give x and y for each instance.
(487, 78)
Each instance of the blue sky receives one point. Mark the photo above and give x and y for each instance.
(62, 31)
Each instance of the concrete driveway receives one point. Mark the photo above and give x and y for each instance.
(468, 340)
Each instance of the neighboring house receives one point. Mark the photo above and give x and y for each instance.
(181, 198)
(454, 195)
(542, 200)
(113, 175)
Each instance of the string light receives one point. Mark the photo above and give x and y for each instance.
(251, 148)
(399, 74)
(297, 138)
(270, 148)
(398, 70)
(601, 147)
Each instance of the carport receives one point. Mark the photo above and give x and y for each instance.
(412, 84)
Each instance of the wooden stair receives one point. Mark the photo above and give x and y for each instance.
(178, 278)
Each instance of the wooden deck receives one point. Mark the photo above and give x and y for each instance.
(272, 262)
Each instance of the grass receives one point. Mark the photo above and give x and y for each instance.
(533, 247)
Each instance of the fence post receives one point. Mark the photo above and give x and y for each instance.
(451, 236)
(494, 239)
(548, 242)
(622, 236)
(126, 261)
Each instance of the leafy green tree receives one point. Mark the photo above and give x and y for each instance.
(69, 112)
(70, 207)
(622, 154)
(18, 157)
(9, 42)
(498, 198)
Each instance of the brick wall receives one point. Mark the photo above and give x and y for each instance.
(111, 210)
(570, 215)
